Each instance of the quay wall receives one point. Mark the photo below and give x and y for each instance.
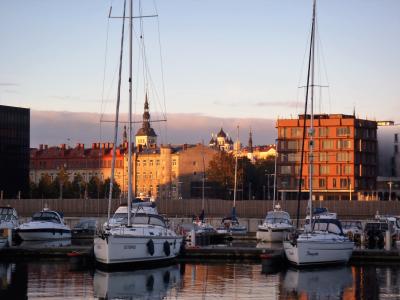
(215, 208)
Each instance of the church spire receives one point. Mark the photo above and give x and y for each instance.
(146, 135)
(250, 141)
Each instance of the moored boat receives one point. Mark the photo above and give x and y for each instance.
(276, 226)
(8, 223)
(44, 225)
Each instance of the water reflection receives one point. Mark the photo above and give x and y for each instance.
(139, 284)
(223, 280)
(318, 283)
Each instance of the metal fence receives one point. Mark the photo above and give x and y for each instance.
(213, 207)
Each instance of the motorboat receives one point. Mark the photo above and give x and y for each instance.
(85, 229)
(137, 284)
(276, 226)
(322, 242)
(8, 223)
(146, 239)
(44, 225)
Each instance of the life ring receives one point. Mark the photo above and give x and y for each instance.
(167, 248)
(150, 247)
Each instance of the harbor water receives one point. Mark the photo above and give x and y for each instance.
(223, 280)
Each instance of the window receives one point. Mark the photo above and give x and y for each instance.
(157, 162)
(327, 144)
(174, 162)
(144, 163)
(343, 156)
(282, 132)
(151, 175)
(144, 175)
(293, 157)
(286, 169)
(343, 182)
(344, 144)
(323, 156)
(323, 131)
(296, 132)
(334, 182)
(343, 131)
(138, 163)
(324, 170)
(339, 170)
(321, 182)
(150, 162)
(292, 145)
(347, 170)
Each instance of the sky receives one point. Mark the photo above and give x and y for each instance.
(223, 60)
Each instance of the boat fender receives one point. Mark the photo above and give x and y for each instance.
(150, 247)
(167, 248)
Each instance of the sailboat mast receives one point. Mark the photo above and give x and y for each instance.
(130, 114)
(311, 131)
(274, 199)
(236, 165)
(116, 118)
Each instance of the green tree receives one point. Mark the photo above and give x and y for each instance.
(46, 187)
(78, 186)
(116, 189)
(94, 187)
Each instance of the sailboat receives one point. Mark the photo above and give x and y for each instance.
(230, 225)
(323, 242)
(143, 237)
(277, 223)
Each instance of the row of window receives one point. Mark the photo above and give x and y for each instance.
(297, 132)
(318, 170)
(319, 156)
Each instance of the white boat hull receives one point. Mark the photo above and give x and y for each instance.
(318, 252)
(44, 234)
(117, 249)
(271, 236)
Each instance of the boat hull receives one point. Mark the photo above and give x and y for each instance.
(122, 249)
(44, 234)
(271, 235)
(313, 252)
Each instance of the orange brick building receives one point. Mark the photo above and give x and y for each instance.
(345, 157)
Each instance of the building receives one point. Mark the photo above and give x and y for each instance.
(221, 141)
(159, 171)
(78, 160)
(14, 151)
(345, 157)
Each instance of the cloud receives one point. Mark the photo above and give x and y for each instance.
(57, 127)
(291, 104)
(8, 84)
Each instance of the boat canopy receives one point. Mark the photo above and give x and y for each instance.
(329, 225)
(277, 215)
(46, 215)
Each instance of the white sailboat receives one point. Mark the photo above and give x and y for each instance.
(143, 237)
(277, 223)
(322, 242)
(231, 225)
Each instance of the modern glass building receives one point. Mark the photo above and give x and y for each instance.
(14, 151)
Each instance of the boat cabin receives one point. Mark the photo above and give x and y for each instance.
(274, 217)
(48, 216)
(8, 214)
(327, 225)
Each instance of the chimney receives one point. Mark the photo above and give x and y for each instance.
(94, 145)
(62, 146)
(46, 146)
(185, 146)
(41, 147)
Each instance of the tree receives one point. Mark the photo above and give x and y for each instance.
(94, 187)
(116, 189)
(46, 188)
(78, 186)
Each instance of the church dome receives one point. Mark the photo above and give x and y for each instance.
(221, 133)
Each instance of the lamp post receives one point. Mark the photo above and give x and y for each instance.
(390, 190)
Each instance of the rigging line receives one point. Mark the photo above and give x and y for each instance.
(161, 61)
(105, 62)
(116, 118)
(304, 121)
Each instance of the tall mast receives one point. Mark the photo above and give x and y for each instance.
(236, 164)
(130, 114)
(276, 158)
(311, 131)
(116, 118)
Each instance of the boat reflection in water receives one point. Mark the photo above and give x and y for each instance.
(45, 244)
(318, 283)
(148, 284)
